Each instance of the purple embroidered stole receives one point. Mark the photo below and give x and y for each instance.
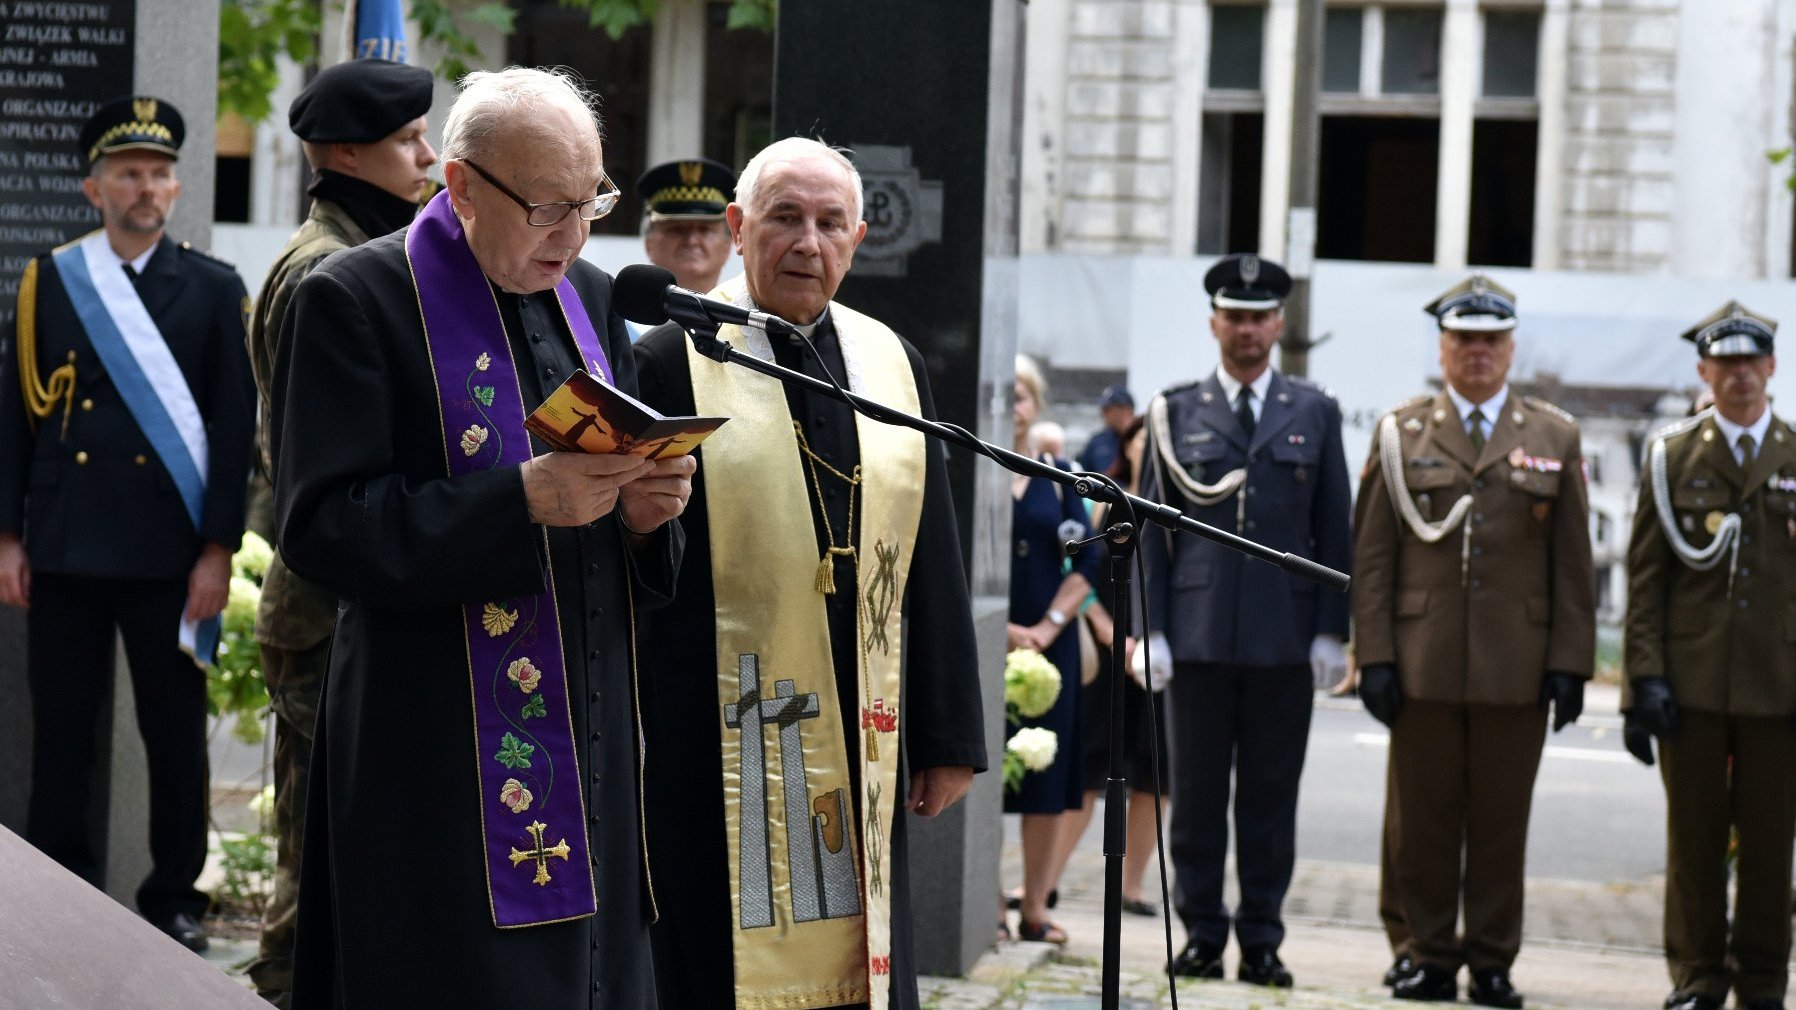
(532, 807)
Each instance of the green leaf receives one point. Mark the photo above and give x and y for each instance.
(484, 394)
(534, 708)
(494, 15)
(514, 753)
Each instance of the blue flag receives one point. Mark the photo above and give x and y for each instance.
(377, 30)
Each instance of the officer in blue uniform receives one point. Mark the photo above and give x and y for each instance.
(126, 420)
(1258, 454)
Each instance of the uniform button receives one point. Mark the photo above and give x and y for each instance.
(1477, 517)
(1251, 490)
(595, 736)
(1745, 539)
(81, 457)
(595, 985)
(592, 569)
(1744, 572)
(1250, 524)
(87, 404)
(822, 422)
(536, 338)
(1743, 604)
(140, 459)
(1477, 583)
(595, 943)
(1478, 485)
(595, 781)
(1745, 507)
(595, 701)
(548, 371)
(1477, 552)
(594, 819)
(593, 656)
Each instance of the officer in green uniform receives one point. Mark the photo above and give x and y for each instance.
(1711, 668)
(362, 124)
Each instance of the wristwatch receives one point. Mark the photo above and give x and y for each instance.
(1056, 618)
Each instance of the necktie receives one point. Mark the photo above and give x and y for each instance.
(130, 272)
(1244, 410)
(1746, 444)
(1475, 429)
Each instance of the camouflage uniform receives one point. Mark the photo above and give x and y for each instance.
(296, 618)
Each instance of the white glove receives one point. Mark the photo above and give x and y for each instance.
(1328, 661)
(1156, 677)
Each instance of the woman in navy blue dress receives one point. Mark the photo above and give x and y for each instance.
(1044, 603)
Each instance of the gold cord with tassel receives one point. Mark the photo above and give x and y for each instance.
(826, 565)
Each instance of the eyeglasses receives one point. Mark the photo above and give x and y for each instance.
(544, 215)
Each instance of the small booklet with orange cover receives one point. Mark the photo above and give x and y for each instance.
(586, 414)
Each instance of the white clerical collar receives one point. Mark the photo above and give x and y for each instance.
(1231, 387)
(137, 263)
(1732, 431)
(1491, 408)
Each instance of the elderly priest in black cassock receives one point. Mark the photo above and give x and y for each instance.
(822, 559)
(473, 837)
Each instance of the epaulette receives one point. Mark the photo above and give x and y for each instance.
(1690, 423)
(1551, 408)
(1411, 403)
(203, 254)
(1305, 382)
(1179, 387)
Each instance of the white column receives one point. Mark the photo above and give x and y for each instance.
(1191, 58)
(1725, 102)
(1371, 52)
(677, 81)
(1279, 68)
(1462, 70)
(1779, 205)
(1047, 25)
(1550, 88)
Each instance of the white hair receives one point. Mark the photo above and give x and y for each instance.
(494, 101)
(794, 149)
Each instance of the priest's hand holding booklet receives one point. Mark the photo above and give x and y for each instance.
(612, 451)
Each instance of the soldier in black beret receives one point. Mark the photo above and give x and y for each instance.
(363, 124)
(127, 386)
(682, 226)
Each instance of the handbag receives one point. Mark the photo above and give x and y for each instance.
(1088, 652)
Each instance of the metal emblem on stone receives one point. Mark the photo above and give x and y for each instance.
(903, 211)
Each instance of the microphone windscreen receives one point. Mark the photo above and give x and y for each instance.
(640, 293)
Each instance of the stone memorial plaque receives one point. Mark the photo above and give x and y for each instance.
(59, 59)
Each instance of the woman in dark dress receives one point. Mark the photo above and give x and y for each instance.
(1144, 727)
(1044, 601)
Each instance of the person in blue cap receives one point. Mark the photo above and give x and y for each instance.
(1259, 454)
(128, 386)
(1116, 405)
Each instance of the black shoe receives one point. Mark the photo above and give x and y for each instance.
(1198, 960)
(1261, 966)
(1137, 906)
(1764, 1004)
(186, 930)
(1400, 969)
(1430, 983)
(1693, 1001)
(1491, 987)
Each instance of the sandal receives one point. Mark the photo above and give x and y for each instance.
(1040, 932)
(1013, 899)
(1003, 935)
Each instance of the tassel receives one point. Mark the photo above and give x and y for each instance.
(826, 575)
(872, 744)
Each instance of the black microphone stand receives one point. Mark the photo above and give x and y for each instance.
(1121, 538)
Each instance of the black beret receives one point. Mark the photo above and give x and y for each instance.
(1246, 281)
(697, 189)
(132, 123)
(360, 102)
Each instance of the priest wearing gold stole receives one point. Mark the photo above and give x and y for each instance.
(472, 833)
(822, 559)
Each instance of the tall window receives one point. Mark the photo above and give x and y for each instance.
(1234, 129)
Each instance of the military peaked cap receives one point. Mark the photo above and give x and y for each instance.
(1476, 303)
(133, 123)
(694, 190)
(1245, 281)
(359, 102)
(1732, 329)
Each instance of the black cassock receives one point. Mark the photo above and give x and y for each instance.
(942, 722)
(393, 905)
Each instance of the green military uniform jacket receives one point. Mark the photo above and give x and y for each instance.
(294, 614)
(1732, 653)
(1478, 622)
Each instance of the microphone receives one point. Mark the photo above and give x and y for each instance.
(647, 294)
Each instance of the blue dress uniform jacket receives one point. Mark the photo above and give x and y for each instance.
(1214, 604)
(97, 501)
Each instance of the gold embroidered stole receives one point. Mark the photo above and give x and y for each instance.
(809, 887)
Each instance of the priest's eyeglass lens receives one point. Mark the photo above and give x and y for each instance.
(544, 215)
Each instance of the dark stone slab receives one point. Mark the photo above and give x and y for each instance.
(65, 944)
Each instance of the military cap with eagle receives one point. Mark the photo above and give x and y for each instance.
(132, 123)
(1245, 281)
(1732, 329)
(697, 189)
(1477, 303)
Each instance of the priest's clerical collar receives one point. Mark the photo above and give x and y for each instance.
(810, 329)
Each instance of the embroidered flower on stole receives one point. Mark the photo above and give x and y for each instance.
(514, 795)
(473, 439)
(523, 674)
(496, 621)
(483, 362)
